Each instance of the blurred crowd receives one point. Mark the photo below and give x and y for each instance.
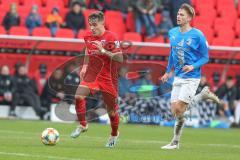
(143, 10)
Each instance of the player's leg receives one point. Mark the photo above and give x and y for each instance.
(203, 95)
(178, 108)
(112, 109)
(182, 93)
(80, 107)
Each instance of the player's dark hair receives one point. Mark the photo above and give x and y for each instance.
(96, 16)
(189, 9)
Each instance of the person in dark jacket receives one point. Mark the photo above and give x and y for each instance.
(26, 90)
(6, 87)
(34, 19)
(75, 18)
(228, 94)
(101, 5)
(11, 18)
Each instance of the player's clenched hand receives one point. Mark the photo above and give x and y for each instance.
(165, 77)
(188, 68)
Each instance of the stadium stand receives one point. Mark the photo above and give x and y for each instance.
(19, 31)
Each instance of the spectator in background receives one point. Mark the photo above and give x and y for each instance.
(6, 87)
(227, 93)
(54, 21)
(72, 81)
(53, 89)
(82, 3)
(34, 19)
(165, 25)
(11, 18)
(144, 16)
(124, 83)
(237, 104)
(26, 90)
(75, 18)
(120, 5)
(40, 77)
(174, 7)
(101, 5)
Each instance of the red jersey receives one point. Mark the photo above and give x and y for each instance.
(101, 67)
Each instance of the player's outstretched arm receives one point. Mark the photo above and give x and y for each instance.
(85, 64)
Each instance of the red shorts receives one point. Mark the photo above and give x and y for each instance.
(108, 90)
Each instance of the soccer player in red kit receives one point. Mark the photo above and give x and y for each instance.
(100, 72)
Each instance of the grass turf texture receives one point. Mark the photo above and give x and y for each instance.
(21, 140)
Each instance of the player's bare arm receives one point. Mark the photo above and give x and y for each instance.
(85, 63)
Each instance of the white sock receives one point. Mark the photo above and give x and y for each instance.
(237, 113)
(179, 124)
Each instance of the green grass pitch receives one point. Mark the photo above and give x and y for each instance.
(20, 140)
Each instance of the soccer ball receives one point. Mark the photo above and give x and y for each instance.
(50, 136)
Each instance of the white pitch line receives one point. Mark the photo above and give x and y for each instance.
(39, 156)
(128, 140)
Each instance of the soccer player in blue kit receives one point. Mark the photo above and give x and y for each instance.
(189, 52)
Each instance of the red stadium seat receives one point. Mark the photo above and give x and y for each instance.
(158, 18)
(204, 8)
(238, 8)
(158, 39)
(8, 2)
(237, 27)
(236, 42)
(130, 22)
(224, 21)
(211, 3)
(221, 42)
(2, 30)
(208, 21)
(225, 4)
(207, 31)
(225, 32)
(2, 15)
(81, 33)
(54, 3)
(42, 31)
(227, 12)
(29, 3)
(65, 33)
(112, 17)
(118, 29)
(132, 36)
(20, 31)
(23, 16)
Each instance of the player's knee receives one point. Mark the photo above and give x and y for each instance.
(177, 109)
(112, 113)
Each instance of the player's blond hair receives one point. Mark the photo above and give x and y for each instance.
(96, 16)
(189, 9)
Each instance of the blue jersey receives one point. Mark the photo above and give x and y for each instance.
(189, 48)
